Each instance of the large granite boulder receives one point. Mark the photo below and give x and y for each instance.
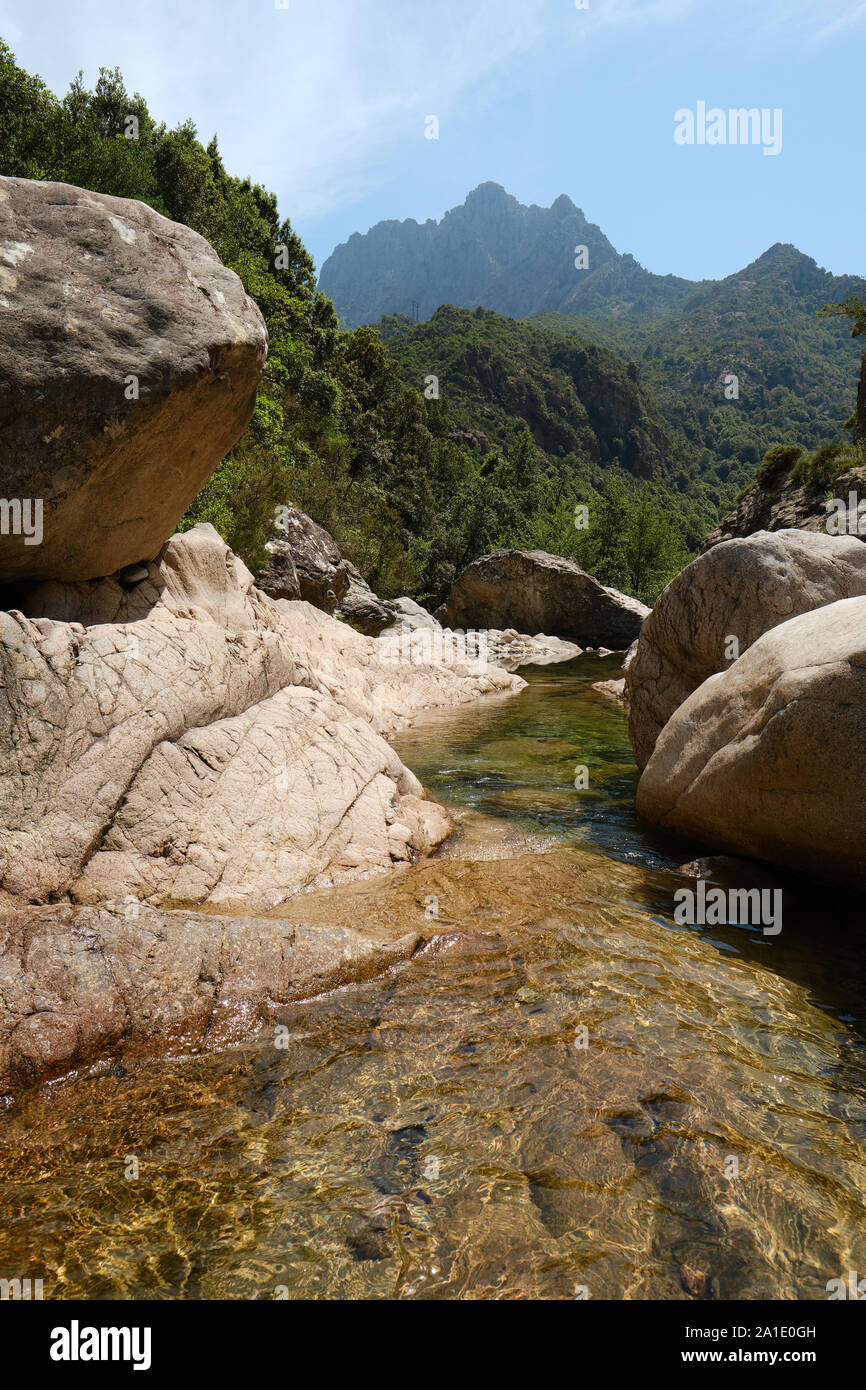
(535, 592)
(190, 741)
(738, 590)
(129, 360)
(768, 758)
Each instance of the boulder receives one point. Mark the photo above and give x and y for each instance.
(536, 592)
(361, 607)
(768, 758)
(738, 590)
(305, 562)
(280, 577)
(614, 690)
(409, 613)
(129, 360)
(190, 741)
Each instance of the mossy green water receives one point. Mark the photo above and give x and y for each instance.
(519, 759)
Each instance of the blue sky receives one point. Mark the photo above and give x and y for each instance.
(325, 101)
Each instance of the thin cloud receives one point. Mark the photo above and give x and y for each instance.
(318, 100)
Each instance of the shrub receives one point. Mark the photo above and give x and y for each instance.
(817, 471)
(777, 461)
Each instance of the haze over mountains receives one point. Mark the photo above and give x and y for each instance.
(492, 250)
(520, 261)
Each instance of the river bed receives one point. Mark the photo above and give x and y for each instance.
(563, 1095)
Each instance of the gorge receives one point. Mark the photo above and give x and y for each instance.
(356, 840)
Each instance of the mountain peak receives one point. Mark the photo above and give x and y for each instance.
(781, 256)
(487, 194)
(490, 250)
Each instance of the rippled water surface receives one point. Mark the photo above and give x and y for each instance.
(563, 1091)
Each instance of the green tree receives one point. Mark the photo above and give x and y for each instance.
(854, 308)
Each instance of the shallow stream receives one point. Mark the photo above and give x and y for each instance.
(564, 1094)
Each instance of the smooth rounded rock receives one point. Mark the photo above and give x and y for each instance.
(129, 361)
(768, 759)
(719, 605)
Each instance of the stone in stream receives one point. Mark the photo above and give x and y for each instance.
(614, 690)
(716, 607)
(768, 759)
(129, 358)
(367, 1235)
(79, 983)
(536, 592)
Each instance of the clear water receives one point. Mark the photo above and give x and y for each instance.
(443, 1131)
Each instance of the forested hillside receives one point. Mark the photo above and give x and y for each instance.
(589, 413)
(796, 373)
(336, 429)
(530, 426)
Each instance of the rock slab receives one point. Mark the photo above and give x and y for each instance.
(190, 741)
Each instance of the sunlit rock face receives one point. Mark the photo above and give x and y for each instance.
(768, 759)
(190, 740)
(129, 361)
(719, 605)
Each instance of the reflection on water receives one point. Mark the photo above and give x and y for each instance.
(563, 1092)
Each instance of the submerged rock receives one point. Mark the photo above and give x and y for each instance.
(536, 592)
(129, 359)
(77, 983)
